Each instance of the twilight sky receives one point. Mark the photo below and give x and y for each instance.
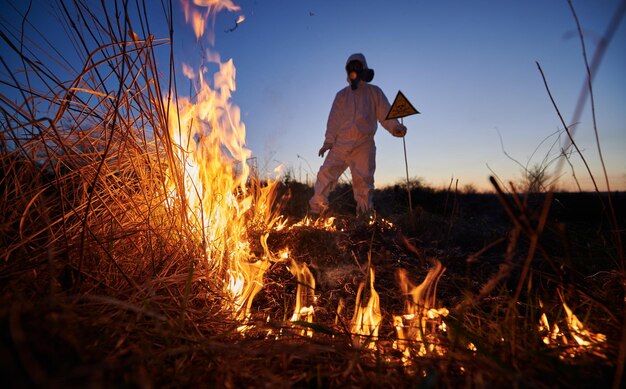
(467, 66)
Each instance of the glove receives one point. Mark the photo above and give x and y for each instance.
(399, 131)
(325, 148)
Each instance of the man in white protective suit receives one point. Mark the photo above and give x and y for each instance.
(352, 123)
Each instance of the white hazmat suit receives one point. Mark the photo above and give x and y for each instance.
(352, 123)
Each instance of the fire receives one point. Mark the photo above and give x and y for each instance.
(210, 176)
(321, 223)
(245, 281)
(305, 294)
(198, 16)
(574, 339)
(421, 320)
(367, 318)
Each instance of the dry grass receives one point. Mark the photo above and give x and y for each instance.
(104, 283)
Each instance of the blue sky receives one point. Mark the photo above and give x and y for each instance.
(467, 66)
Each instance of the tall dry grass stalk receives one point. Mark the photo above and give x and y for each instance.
(84, 162)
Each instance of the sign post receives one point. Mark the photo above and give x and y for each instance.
(400, 108)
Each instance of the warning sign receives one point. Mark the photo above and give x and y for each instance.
(400, 108)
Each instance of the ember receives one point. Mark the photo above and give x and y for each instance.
(571, 339)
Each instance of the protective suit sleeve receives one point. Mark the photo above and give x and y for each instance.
(334, 121)
(382, 108)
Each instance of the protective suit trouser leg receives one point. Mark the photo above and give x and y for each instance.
(362, 168)
(334, 165)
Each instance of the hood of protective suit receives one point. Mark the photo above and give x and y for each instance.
(365, 74)
(357, 57)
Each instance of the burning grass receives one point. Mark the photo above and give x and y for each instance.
(138, 249)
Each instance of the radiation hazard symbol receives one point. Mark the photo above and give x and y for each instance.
(401, 107)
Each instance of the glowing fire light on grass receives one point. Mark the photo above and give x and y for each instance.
(322, 223)
(573, 339)
(222, 203)
(421, 321)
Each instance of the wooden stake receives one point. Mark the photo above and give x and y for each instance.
(408, 183)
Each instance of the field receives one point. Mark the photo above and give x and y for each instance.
(155, 318)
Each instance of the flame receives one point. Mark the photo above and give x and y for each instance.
(209, 175)
(244, 283)
(208, 137)
(188, 72)
(199, 17)
(575, 339)
(305, 294)
(366, 319)
(327, 224)
(421, 320)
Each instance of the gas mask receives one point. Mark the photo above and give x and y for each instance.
(356, 72)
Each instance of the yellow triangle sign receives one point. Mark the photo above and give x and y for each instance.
(401, 107)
